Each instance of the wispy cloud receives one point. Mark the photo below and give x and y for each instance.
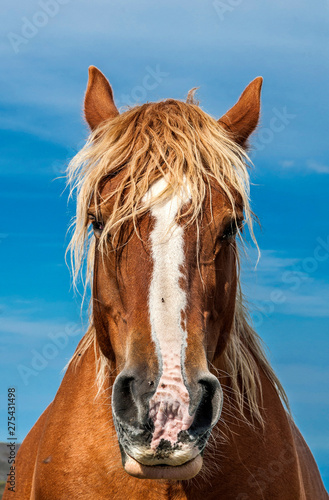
(29, 329)
(309, 166)
(319, 168)
(287, 285)
(287, 163)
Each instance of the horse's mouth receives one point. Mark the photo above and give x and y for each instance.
(178, 472)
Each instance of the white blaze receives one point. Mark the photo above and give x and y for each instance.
(167, 300)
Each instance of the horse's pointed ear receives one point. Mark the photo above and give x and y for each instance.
(99, 103)
(242, 119)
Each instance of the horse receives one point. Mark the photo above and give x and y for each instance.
(169, 394)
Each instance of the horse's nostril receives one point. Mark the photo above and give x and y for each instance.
(122, 396)
(209, 408)
(125, 383)
(130, 397)
(209, 385)
(208, 388)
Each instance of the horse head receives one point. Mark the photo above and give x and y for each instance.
(163, 186)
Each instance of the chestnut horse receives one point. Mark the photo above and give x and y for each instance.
(169, 394)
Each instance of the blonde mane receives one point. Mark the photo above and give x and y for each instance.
(179, 141)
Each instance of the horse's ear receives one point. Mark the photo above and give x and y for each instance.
(242, 119)
(99, 103)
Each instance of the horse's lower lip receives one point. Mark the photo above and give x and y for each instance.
(178, 472)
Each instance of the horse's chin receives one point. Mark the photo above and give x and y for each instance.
(177, 472)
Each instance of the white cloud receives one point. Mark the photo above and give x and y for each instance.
(287, 163)
(35, 319)
(29, 328)
(305, 167)
(285, 285)
(317, 167)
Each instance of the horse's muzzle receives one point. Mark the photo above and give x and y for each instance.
(160, 435)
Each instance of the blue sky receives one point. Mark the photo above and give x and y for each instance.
(171, 47)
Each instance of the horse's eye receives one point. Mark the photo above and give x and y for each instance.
(230, 230)
(98, 226)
